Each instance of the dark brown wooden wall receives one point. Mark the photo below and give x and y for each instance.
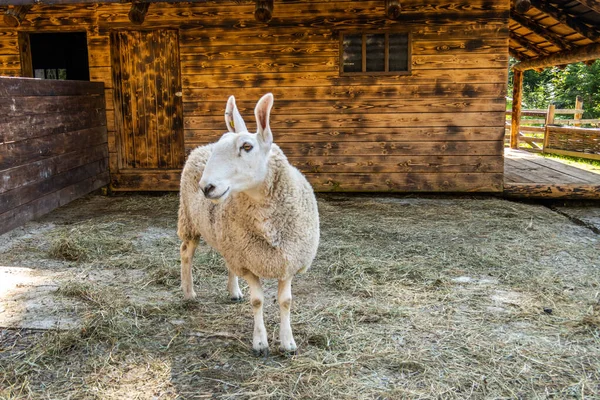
(53, 146)
(439, 129)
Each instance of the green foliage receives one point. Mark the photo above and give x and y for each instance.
(561, 87)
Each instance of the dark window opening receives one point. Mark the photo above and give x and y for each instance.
(61, 56)
(375, 54)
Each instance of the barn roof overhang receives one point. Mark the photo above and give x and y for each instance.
(554, 33)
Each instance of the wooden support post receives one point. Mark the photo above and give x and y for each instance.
(26, 60)
(516, 109)
(549, 122)
(263, 12)
(137, 12)
(578, 106)
(392, 9)
(522, 6)
(550, 114)
(14, 16)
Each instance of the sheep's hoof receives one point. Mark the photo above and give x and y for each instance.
(288, 352)
(236, 299)
(189, 296)
(264, 352)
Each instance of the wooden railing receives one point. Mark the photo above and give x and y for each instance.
(570, 141)
(532, 130)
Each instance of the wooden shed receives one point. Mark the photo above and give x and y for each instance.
(369, 95)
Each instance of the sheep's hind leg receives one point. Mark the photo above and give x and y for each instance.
(187, 250)
(260, 344)
(284, 297)
(233, 287)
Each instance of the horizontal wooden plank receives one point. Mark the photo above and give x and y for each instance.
(19, 87)
(25, 194)
(454, 61)
(34, 105)
(32, 150)
(13, 73)
(490, 148)
(575, 130)
(551, 191)
(348, 134)
(41, 206)
(406, 182)
(399, 120)
(359, 91)
(145, 181)
(293, 79)
(459, 46)
(10, 62)
(350, 106)
(263, 51)
(34, 172)
(391, 164)
(14, 129)
(250, 64)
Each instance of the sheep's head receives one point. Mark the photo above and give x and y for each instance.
(239, 159)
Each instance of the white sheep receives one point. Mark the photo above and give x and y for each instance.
(242, 196)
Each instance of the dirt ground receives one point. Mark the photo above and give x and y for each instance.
(409, 297)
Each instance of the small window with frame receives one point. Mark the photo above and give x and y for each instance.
(375, 53)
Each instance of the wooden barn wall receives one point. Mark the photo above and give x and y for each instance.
(53, 146)
(438, 129)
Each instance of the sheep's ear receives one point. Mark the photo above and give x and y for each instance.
(233, 119)
(262, 112)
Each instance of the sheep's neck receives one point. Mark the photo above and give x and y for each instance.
(260, 193)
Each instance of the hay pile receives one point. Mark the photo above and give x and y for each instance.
(408, 298)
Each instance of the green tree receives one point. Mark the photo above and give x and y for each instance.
(561, 87)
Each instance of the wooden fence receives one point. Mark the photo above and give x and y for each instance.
(532, 131)
(569, 141)
(53, 145)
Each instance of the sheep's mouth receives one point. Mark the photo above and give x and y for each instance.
(218, 198)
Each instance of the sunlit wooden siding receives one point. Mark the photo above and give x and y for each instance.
(439, 129)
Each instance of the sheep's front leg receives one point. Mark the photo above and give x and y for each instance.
(260, 344)
(187, 250)
(284, 297)
(233, 287)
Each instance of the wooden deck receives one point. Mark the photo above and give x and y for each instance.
(528, 175)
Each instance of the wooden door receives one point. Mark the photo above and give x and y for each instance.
(148, 104)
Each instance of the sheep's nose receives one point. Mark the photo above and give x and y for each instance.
(207, 189)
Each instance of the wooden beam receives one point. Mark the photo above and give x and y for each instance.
(584, 53)
(527, 44)
(14, 16)
(392, 8)
(536, 28)
(137, 12)
(263, 12)
(518, 55)
(564, 18)
(522, 6)
(591, 4)
(516, 109)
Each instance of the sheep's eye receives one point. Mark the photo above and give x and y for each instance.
(247, 147)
